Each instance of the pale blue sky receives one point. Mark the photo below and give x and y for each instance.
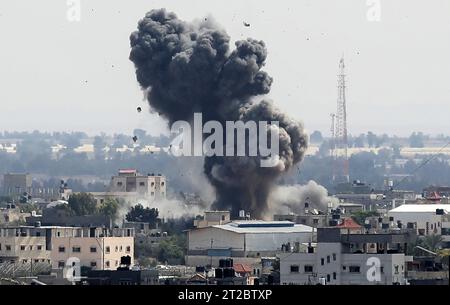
(398, 69)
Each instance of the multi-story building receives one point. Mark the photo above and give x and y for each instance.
(24, 245)
(130, 186)
(130, 181)
(15, 184)
(341, 258)
(97, 248)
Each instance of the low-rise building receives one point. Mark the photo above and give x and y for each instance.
(428, 219)
(243, 241)
(212, 218)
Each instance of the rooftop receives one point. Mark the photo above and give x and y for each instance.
(428, 208)
(259, 226)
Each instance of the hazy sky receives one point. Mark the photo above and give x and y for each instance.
(60, 75)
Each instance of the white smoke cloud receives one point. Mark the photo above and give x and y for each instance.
(292, 198)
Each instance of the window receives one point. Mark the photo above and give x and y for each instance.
(294, 269)
(315, 221)
(322, 261)
(108, 249)
(334, 275)
(152, 184)
(119, 183)
(8, 248)
(121, 248)
(328, 278)
(107, 264)
(31, 248)
(62, 249)
(93, 264)
(162, 183)
(24, 261)
(93, 249)
(308, 269)
(36, 261)
(117, 248)
(152, 193)
(38, 234)
(354, 269)
(381, 269)
(328, 259)
(396, 269)
(141, 183)
(117, 263)
(22, 248)
(128, 249)
(61, 264)
(76, 249)
(334, 256)
(344, 268)
(39, 247)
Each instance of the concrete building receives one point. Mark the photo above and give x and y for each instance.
(97, 248)
(15, 184)
(12, 215)
(347, 259)
(244, 241)
(130, 186)
(130, 181)
(428, 219)
(312, 220)
(212, 218)
(24, 245)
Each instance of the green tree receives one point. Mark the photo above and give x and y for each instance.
(139, 213)
(416, 140)
(316, 137)
(83, 204)
(360, 216)
(172, 248)
(109, 207)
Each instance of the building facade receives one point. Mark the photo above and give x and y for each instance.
(130, 181)
(340, 258)
(15, 184)
(96, 248)
(244, 241)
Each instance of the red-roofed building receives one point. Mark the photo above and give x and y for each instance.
(350, 224)
(242, 270)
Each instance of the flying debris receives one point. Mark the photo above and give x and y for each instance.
(246, 24)
(135, 138)
(139, 109)
(225, 84)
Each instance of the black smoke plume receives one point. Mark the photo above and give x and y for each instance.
(188, 67)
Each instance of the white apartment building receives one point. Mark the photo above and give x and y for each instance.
(347, 259)
(428, 219)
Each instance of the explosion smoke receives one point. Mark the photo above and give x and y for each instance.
(188, 67)
(295, 196)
